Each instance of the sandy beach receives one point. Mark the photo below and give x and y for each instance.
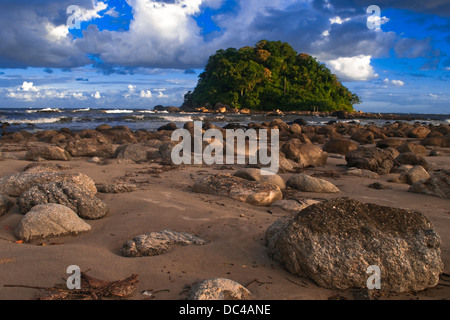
(234, 231)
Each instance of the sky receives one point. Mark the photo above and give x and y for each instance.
(141, 53)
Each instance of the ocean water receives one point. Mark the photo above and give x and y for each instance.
(34, 119)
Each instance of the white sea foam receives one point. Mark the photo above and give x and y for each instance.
(180, 119)
(118, 111)
(36, 121)
(146, 111)
(82, 110)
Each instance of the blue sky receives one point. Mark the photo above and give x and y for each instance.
(141, 53)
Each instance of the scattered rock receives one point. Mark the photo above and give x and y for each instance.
(133, 152)
(378, 186)
(437, 185)
(365, 137)
(116, 188)
(373, 159)
(412, 159)
(46, 167)
(91, 147)
(415, 174)
(96, 160)
(218, 289)
(253, 174)
(49, 221)
(418, 132)
(15, 184)
(362, 173)
(340, 146)
(294, 205)
(168, 127)
(307, 183)
(5, 204)
(253, 192)
(305, 154)
(334, 242)
(443, 142)
(71, 195)
(390, 143)
(47, 153)
(156, 243)
(414, 148)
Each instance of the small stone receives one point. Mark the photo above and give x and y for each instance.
(307, 183)
(218, 289)
(156, 243)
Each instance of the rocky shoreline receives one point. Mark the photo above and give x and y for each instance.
(316, 222)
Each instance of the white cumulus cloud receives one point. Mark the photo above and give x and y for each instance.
(356, 68)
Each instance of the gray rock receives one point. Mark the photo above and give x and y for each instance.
(71, 195)
(15, 184)
(307, 183)
(50, 221)
(218, 289)
(5, 204)
(437, 185)
(334, 243)
(253, 192)
(254, 174)
(156, 243)
(47, 153)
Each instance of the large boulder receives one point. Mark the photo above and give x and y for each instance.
(418, 132)
(133, 152)
(307, 183)
(418, 149)
(47, 153)
(340, 146)
(305, 154)
(443, 142)
(5, 204)
(412, 159)
(156, 243)
(91, 147)
(437, 185)
(14, 184)
(413, 175)
(334, 243)
(50, 221)
(389, 143)
(364, 136)
(82, 201)
(218, 289)
(373, 159)
(253, 192)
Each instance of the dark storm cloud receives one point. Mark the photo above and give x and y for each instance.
(29, 37)
(437, 7)
(24, 30)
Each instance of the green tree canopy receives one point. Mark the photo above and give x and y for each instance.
(271, 75)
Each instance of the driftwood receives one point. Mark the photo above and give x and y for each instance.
(91, 289)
